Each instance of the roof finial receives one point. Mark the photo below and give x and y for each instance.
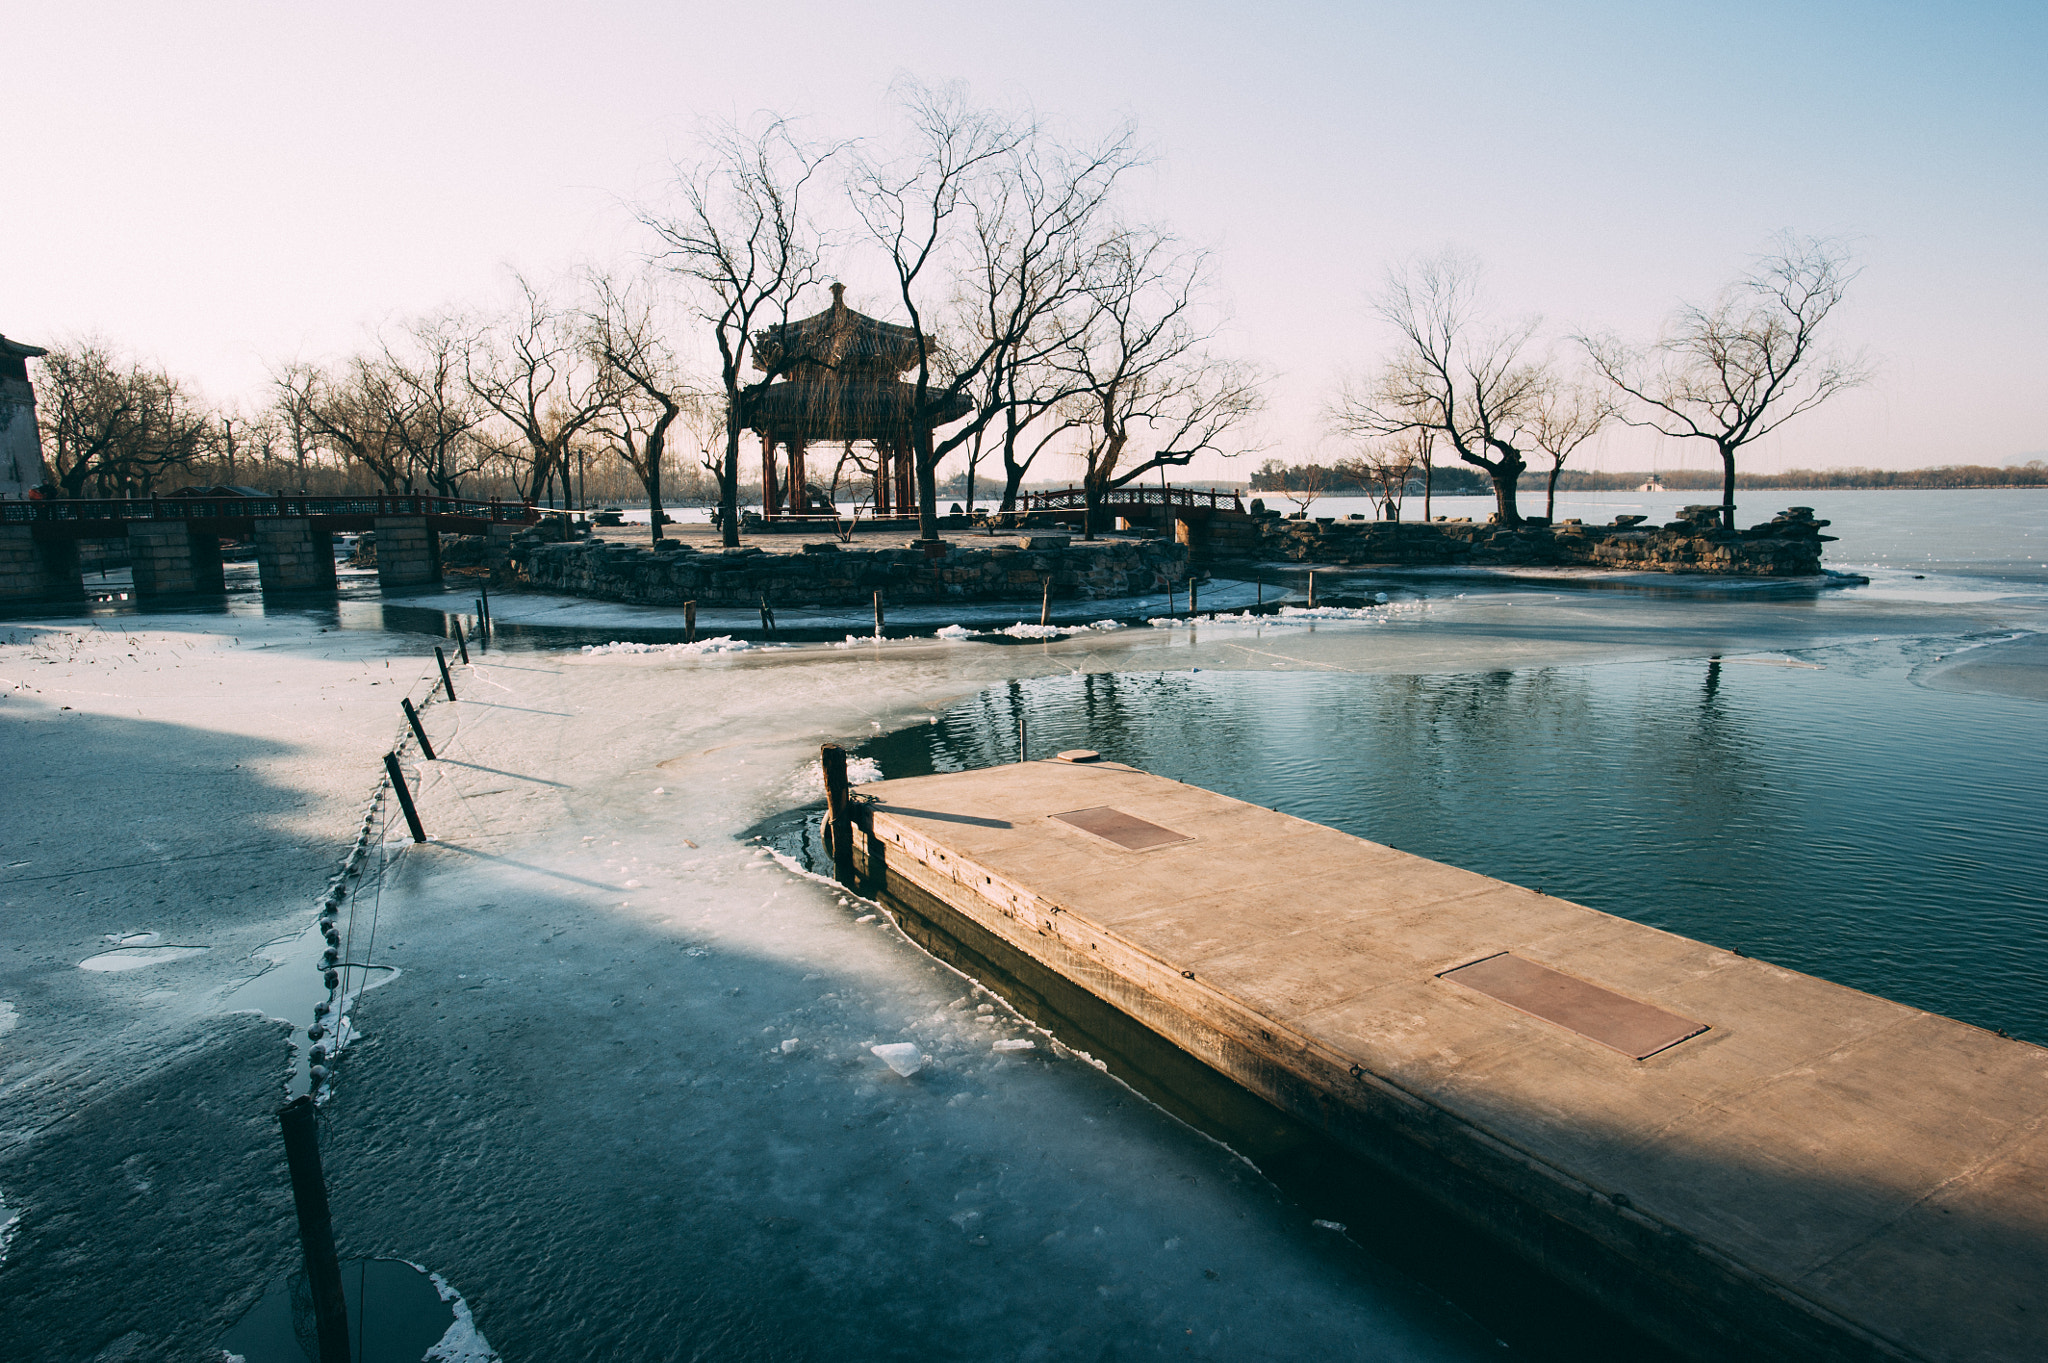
(838, 298)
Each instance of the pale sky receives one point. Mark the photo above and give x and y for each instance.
(222, 187)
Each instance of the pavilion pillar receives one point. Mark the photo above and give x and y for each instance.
(906, 482)
(768, 489)
(882, 448)
(799, 488)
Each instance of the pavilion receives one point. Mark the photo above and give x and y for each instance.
(841, 386)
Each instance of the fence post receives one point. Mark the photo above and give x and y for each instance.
(460, 642)
(767, 617)
(412, 717)
(316, 1228)
(412, 815)
(878, 629)
(839, 809)
(1311, 589)
(447, 682)
(1045, 604)
(689, 622)
(1020, 738)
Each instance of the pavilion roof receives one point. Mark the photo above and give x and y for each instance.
(862, 409)
(837, 340)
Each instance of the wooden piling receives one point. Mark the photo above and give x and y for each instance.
(1045, 603)
(1311, 589)
(485, 602)
(461, 643)
(412, 815)
(767, 617)
(878, 629)
(412, 717)
(316, 1227)
(839, 808)
(1194, 597)
(689, 622)
(1020, 739)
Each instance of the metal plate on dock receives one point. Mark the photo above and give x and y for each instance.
(1125, 830)
(1638, 1030)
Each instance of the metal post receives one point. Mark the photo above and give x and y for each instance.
(316, 1229)
(483, 634)
(412, 816)
(461, 642)
(412, 717)
(839, 809)
(447, 682)
(689, 622)
(485, 601)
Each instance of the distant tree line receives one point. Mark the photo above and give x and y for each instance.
(1037, 302)
(1355, 478)
(2034, 473)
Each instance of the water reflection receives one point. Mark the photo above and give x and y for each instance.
(1837, 820)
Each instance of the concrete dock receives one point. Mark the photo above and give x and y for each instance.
(1744, 1161)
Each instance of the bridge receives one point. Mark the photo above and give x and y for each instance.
(1201, 518)
(174, 542)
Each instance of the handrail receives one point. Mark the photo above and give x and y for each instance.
(59, 510)
(1072, 498)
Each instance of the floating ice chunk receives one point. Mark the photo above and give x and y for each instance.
(861, 770)
(901, 1056)
(1337, 1226)
(955, 632)
(1016, 1044)
(790, 1045)
(463, 1343)
(865, 918)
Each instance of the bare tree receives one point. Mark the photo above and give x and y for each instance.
(1564, 416)
(113, 423)
(1383, 470)
(1452, 375)
(1012, 214)
(532, 371)
(430, 411)
(1307, 484)
(741, 234)
(1153, 395)
(643, 383)
(1739, 368)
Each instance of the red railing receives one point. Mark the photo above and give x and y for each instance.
(60, 510)
(1075, 499)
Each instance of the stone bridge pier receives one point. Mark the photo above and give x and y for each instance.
(171, 558)
(33, 569)
(292, 556)
(408, 551)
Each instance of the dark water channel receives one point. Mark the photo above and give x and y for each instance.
(1833, 817)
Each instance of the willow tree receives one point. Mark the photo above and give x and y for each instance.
(529, 367)
(1451, 373)
(643, 385)
(740, 234)
(988, 226)
(1735, 370)
(1150, 391)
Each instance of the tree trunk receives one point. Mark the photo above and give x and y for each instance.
(1550, 501)
(1727, 488)
(1091, 503)
(653, 482)
(729, 480)
(927, 486)
(1504, 480)
(1428, 479)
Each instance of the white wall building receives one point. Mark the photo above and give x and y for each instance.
(21, 448)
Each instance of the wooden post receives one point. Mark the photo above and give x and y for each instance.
(1045, 603)
(412, 717)
(878, 633)
(447, 682)
(1194, 597)
(1020, 738)
(460, 642)
(1311, 589)
(484, 603)
(316, 1227)
(483, 632)
(689, 622)
(1262, 592)
(767, 617)
(839, 810)
(412, 816)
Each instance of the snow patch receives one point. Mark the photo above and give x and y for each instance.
(463, 1343)
(724, 643)
(135, 958)
(1016, 1044)
(859, 771)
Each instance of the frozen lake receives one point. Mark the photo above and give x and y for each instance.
(577, 1100)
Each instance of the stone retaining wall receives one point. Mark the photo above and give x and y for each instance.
(831, 574)
(1788, 545)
